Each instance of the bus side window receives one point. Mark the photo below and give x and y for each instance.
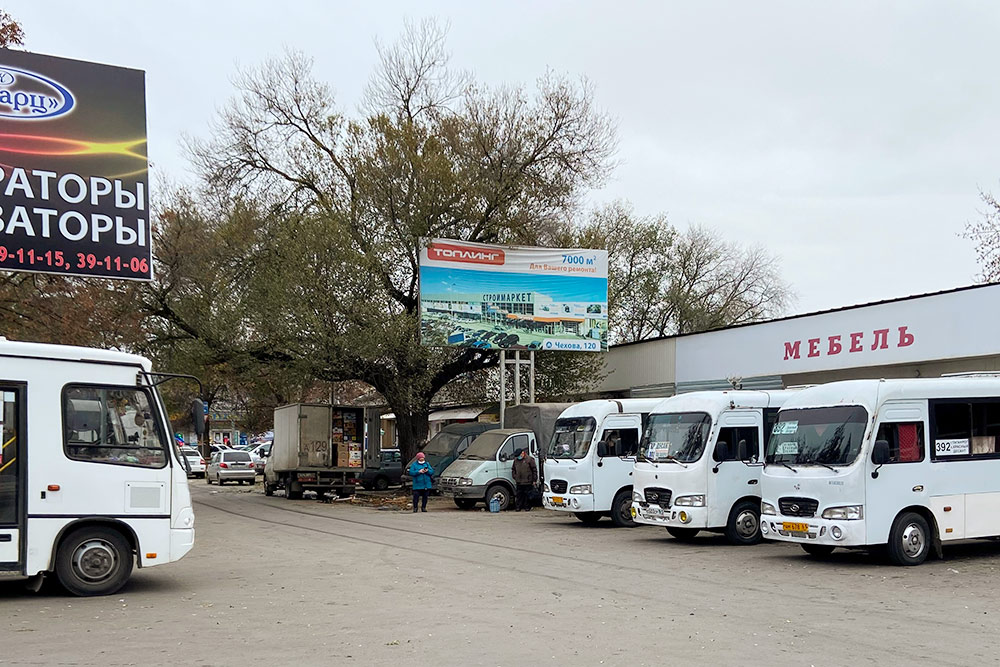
(104, 424)
(906, 441)
(732, 438)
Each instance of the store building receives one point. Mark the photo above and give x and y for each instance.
(919, 336)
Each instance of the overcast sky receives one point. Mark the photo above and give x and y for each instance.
(850, 138)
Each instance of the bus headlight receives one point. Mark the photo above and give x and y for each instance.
(465, 481)
(546, 486)
(848, 512)
(637, 497)
(690, 501)
(767, 508)
(581, 489)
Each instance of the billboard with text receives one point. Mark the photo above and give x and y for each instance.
(513, 297)
(73, 168)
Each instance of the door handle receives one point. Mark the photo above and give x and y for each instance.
(6, 538)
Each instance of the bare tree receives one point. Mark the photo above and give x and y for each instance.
(663, 282)
(322, 215)
(985, 233)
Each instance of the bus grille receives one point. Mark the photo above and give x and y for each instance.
(558, 485)
(659, 496)
(798, 506)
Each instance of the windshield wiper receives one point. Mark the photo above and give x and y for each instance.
(672, 459)
(782, 463)
(820, 463)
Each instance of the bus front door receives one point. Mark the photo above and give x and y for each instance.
(11, 480)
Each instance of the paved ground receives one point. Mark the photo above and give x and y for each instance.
(272, 581)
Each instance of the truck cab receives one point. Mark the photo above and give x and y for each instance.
(698, 467)
(483, 471)
(589, 459)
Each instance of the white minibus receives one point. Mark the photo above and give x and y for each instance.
(698, 469)
(588, 463)
(91, 481)
(902, 464)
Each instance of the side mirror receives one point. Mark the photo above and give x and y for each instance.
(742, 451)
(880, 452)
(198, 416)
(502, 456)
(602, 449)
(721, 452)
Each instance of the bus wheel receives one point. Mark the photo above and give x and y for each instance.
(683, 534)
(743, 527)
(621, 510)
(909, 539)
(93, 561)
(268, 489)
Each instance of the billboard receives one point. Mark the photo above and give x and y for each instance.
(512, 297)
(73, 169)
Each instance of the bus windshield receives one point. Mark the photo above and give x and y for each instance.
(818, 436)
(571, 438)
(676, 437)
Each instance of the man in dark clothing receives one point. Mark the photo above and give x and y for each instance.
(525, 474)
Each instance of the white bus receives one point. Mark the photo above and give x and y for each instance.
(588, 463)
(90, 479)
(698, 466)
(901, 464)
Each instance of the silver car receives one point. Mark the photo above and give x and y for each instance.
(230, 465)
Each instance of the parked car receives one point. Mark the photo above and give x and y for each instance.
(389, 474)
(231, 466)
(260, 453)
(196, 463)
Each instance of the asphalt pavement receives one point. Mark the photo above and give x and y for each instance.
(279, 582)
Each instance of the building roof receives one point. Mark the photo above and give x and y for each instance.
(812, 314)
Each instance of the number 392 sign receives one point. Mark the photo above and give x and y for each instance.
(73, 169)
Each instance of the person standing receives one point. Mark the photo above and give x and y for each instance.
(422, 475)
(524, 470)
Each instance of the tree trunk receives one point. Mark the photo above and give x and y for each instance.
(411, 432)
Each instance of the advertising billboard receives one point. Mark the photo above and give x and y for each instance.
(513, 297)
(73, 169)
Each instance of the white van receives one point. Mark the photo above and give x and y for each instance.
(483, 471)
(698, 466)
(910, 464)
(588, 463)
(91, 481)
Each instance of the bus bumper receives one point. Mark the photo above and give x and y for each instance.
(181, 542)
(813, 530)
(672, 517)
(566, 502)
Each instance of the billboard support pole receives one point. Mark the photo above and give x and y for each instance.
(503, 382)
(531, 376)
(517, 377)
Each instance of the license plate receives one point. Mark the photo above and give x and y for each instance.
(654, 511)
(793, 527)
(557, 500)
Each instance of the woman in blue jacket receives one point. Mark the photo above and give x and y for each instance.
(422, 473)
